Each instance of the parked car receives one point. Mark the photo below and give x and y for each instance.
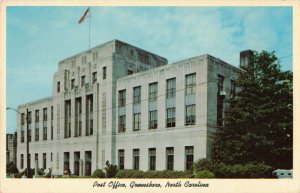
(281, 173)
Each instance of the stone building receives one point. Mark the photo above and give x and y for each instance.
(120, 103)
(11, 148)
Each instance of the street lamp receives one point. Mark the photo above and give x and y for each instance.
(27, 137)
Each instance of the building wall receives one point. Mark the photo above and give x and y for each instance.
(126, 67)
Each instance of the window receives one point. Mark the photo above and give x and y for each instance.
(189, 157)
(232, 88)
(45, 117)
(171, 88)
(171, 116)
(152, 158)
(190, 118)
(44, 161)
(36, 157)
(22, 127)
(72, 83)
(153, 119)
(153, 92)
(94, 77)
(22, 161)
(170, 158)
(67, 129)
(37, 119)
(89, 115)
(82, 81)
(121, 159)
(129, 72)
(190, 84)
(83, 59)
(58, 87)
(137, 95)
(220, 82)
(122, 98)
(136, 121)
(136, 159)
(51, 122)
(73, 62)
(51, 157)
(104, 72)
(29, 129)
(95, 55)
(78, 117)
(122, 123)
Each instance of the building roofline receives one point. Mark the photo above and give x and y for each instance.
(105, 44)
(36, 102)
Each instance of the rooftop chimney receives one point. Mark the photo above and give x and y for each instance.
(245, 57)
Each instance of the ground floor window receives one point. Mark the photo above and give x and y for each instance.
(152, 158)
(189, 157)
(170, 158)
(136, 159)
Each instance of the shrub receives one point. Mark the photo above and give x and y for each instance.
(110, 170)
(153, 174)
(130, 174)
(204, 164)
(11, 168)
(98, 173)
(204, 174)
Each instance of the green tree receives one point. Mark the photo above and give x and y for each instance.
(259, 120)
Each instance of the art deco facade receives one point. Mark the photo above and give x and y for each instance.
(120, 103)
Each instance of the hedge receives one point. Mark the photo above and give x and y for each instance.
(153, 174)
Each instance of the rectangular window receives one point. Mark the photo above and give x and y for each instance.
(67, 128)
(95, 55)
(190, 84)
(51, 122)
(44, 161)
(22, 161)
(136, 159)
(153, 92)
(94, 77)
(83, 59)
(170, 158)
(82, 81)
(36, 157)
(122, 98)
(58, 87)
(190, 115)
(122, 123)
(22, 127)
(220, 82)
(121, 159)
(171, 88)
(136, 121)
(152, 158)
(29, 129)
(78, 117)
(51, 157)
(137, 95)
(171, 116)
(153, 119)
(104, 72)
(37, 119)
(72, 83)
(89, 115)
(45, 118)
(189, 157)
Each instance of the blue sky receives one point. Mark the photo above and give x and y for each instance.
(39, 37)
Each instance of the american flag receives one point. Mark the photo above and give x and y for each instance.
(86, 14)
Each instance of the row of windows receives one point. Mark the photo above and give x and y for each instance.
(36, 158)
(169, 164)
(83, 80)
(190, 118)
(37, 119)
(190, 84)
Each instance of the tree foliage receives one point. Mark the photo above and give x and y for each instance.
(259, 121)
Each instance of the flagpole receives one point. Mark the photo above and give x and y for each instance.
(90, 28)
